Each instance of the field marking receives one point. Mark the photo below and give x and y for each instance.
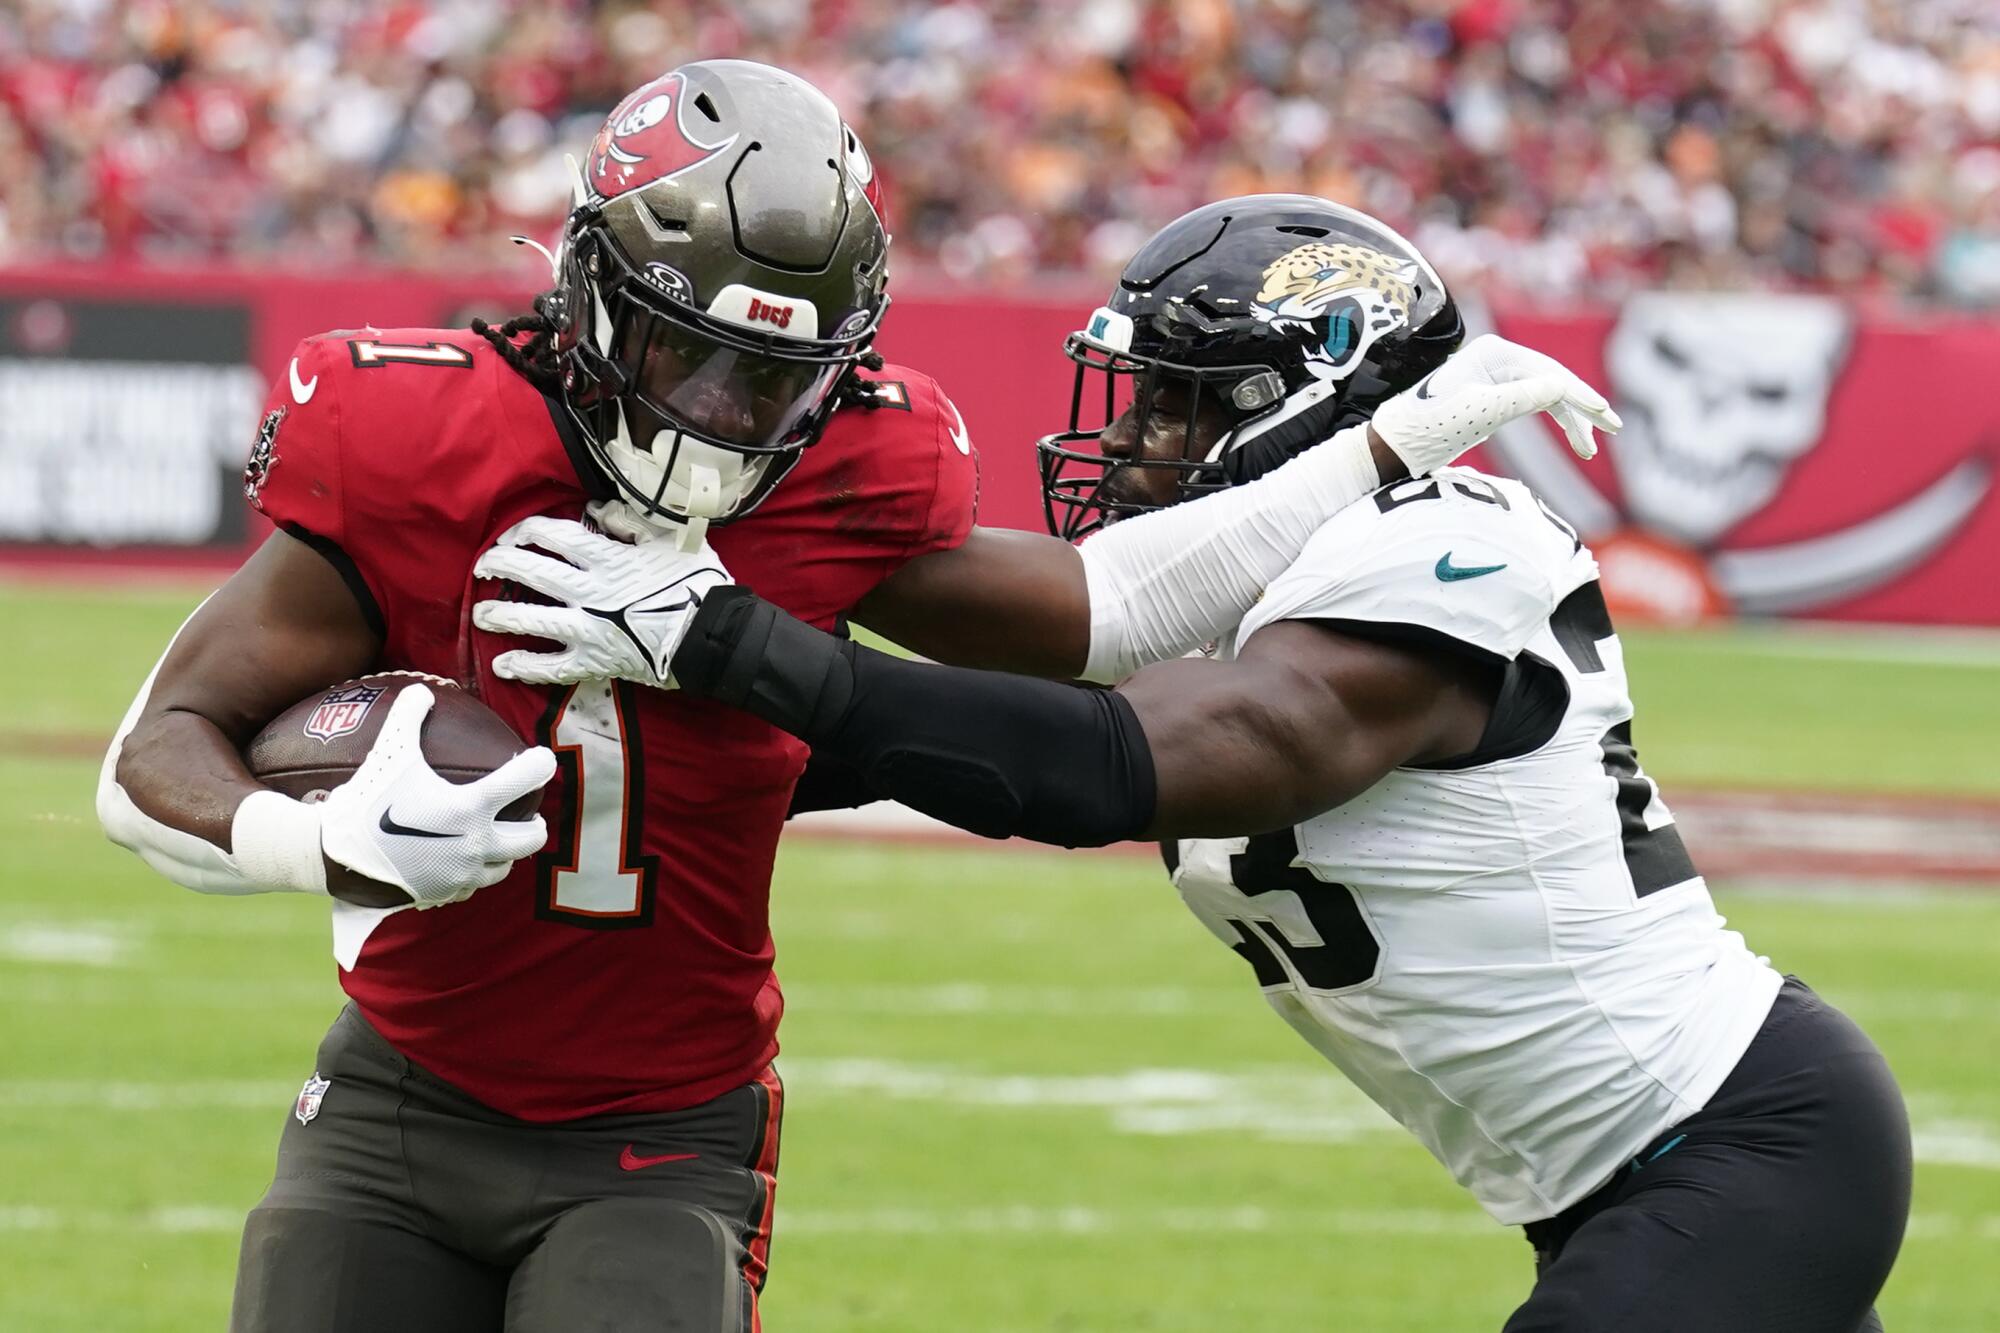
(1065, 1220)
(1277, 1104)
(87, 944)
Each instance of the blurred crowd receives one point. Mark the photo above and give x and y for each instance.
(1551, 149)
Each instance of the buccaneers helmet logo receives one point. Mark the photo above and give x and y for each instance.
(647, 139)
(1361, 292)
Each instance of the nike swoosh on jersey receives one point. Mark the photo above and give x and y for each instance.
(1451, 573)
(389, 825)
(302, 390)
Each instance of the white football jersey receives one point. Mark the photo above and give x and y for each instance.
(1512, 955)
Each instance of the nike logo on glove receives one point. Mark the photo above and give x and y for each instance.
(1451, 573)
(389, 825)
(631, 1161)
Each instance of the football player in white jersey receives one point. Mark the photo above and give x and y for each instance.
(1403, 788)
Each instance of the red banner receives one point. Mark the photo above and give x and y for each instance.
(1781, 457)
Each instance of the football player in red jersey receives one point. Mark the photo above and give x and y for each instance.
(552, 1105)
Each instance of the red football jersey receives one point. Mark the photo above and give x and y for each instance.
(628, 966)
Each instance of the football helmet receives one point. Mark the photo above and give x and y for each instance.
(1289, 317)
(723, 270)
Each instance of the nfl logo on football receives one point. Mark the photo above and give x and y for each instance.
(341, 711)
(310, 1096)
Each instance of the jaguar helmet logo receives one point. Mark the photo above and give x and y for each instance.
(648, 138)
(1362, 294)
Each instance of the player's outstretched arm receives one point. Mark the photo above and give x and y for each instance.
(174, 788)
(1146, 590)
(1304, 720)
(1154, 587)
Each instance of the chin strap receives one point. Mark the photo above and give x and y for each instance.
(615, 518)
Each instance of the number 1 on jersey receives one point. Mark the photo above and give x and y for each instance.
(589, 874)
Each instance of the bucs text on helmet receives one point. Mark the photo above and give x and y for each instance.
(722, 273)
(1284, 317)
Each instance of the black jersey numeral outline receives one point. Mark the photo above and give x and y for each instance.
(1656, 858)
(1349, 954)
(564, 853)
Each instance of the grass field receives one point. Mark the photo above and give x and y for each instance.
(1027, 1091)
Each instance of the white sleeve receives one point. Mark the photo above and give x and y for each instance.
(1168, 582)
(276, 839)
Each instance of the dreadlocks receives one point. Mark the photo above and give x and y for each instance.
(855, 391)
(534, 359)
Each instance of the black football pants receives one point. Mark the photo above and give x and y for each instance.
(403, 1206)
(1778, 1208)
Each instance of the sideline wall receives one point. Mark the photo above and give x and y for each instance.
(1782, 457)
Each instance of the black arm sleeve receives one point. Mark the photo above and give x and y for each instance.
(830, 784)
(1002, 756)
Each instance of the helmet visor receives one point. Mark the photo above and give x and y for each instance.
(747, 399)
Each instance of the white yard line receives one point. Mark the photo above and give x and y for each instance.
(1278, 1104)
(80, 943)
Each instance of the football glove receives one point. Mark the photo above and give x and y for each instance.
(398, 822)
(624, 606)
(1486, 384)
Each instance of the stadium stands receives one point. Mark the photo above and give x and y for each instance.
(1547, 148)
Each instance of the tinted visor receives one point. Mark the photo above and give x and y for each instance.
(747, 399)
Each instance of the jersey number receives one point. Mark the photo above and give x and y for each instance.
(592, 873)
(1348, 953)
(368, 353)
(1656, 857)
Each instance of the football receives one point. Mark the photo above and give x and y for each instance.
(315, 745)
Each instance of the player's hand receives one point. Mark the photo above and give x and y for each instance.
(1486, 384)
(396, 821)
(624, 606)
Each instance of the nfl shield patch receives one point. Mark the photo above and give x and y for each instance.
(310, 1096)
(341, 711)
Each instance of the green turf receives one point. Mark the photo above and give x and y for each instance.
(1753, 707)
(153, 1040)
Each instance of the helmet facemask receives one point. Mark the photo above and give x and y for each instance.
(692, 416)
(1082, 488)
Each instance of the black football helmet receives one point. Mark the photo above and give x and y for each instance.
(723, 270)
(1292, 316)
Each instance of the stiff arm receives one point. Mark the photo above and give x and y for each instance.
(1308, 717)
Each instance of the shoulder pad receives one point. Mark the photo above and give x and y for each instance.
(1469, 556)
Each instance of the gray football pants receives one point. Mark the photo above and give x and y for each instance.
(403, 1206)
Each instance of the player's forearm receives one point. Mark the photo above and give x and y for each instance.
(181, 771)
(1146, 590)
(996, 754)
(173, 790)
(1168, 582)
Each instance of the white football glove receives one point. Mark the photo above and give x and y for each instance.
(1486, 384)
(626, 605)
(397, 821)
